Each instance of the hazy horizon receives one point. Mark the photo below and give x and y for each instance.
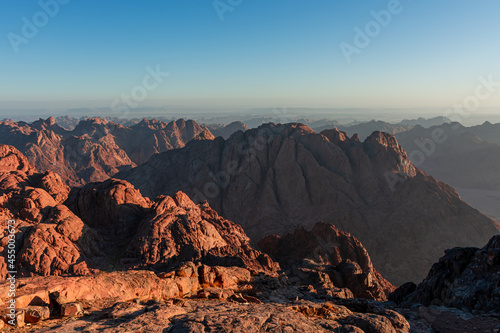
(380, 54)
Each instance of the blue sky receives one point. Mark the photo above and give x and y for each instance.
(263, 53)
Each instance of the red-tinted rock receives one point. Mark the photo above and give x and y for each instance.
(95, 149)
(35, 314)
(71, 309)
(177, 230)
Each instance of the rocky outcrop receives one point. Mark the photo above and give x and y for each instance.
(177, 230)
(60, 244)
(95, 149)
(49, 238)
(114, 206)
(11, 160)
(464, 278)
(330, 259)
(277, 178)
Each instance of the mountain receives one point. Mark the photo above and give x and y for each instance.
(487, 131)
(226, 131)
(277, 178)
(365, 129)
(436, 121)
(109, 225)
(96, 149)
(468, 158)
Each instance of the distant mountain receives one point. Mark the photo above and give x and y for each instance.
(277, 178)
(365, 129)
(95, 149)
(488, 132)
(436, 121)
(226, 131)
(468, 158)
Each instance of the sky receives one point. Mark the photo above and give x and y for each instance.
(89, 53)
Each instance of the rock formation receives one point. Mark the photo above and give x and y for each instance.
(277, 178)
(109, 225)
(330, 258)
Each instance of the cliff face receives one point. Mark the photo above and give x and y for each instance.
(96, 149)
(276, 178)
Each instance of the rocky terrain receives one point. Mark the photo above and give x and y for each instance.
(102, 254)
(277, 178)
(461, 293)
(95, 149)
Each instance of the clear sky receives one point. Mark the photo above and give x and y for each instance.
(273, 52)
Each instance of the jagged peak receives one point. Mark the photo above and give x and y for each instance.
(383, 139)
(335, 135)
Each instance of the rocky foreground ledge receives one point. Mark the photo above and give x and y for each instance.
(194, 298)
(199, 298)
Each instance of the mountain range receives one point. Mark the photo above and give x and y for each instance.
(207, 228)
(96, 149)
